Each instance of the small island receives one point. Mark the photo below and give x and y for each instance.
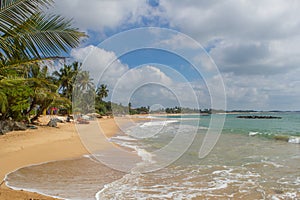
(257, 117)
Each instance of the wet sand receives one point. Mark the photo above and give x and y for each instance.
(23, 148)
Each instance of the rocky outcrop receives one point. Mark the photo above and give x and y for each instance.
(257, 117)
(10, 125)
(19, 126)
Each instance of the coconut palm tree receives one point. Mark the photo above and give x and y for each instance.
(101, 92)
(83, 81)
(44, 92)
(66, 78)
(27, 37)
(83, 96)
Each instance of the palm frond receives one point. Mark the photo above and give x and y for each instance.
(13, 12)
(43, 36)
(26, 62)
(3, 102)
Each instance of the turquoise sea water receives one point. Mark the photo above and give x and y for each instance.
(289, 124)
(247, 162)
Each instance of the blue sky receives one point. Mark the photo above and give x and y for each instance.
(254, 44)
(154, 56)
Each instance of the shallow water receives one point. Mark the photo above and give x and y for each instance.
(239, 166)
(70, 179)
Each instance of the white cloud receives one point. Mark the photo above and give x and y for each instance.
(103, 65)
(148, 83)
(255, 44)
(98, 15)
(263, 33)
(263, 92)
(179, 41)
(234, 19)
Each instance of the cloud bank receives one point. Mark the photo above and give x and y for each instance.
(255, 44)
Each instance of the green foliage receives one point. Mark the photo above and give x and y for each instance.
(102, 107)
(3, 102)
(17, 93)
(65, 78)
(27, 38)
(83, 94)
(173, 110)
(119, 109)
(101, 92)
(28, 35)
(83, 82)
(140, 110)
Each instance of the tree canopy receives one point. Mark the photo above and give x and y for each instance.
(28, 37)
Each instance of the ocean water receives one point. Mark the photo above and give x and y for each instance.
(252, 159)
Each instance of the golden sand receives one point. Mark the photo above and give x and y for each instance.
(23, 148)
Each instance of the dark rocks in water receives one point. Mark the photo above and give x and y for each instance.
(10, 125)
(52, 123)
(257, 117)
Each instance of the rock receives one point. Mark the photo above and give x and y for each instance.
(257, 117)
(57, 120)
(9, 125)
(60, 119)
(18, 126)
(6, 126)
(2, 128)
(52, 123)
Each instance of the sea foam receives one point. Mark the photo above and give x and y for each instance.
(157, 123)
(294, 140)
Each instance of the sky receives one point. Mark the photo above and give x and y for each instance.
(252, 47)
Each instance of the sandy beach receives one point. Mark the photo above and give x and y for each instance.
(23, 148)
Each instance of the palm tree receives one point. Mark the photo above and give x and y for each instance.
(3, 102)
(66, 78)
(44, 92)
(27, 37)
(101, 92)
(83, 96)
(15, 94)
(83, 81)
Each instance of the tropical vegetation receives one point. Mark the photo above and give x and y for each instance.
(29, 40)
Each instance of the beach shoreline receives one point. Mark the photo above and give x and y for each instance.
(45, 144)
